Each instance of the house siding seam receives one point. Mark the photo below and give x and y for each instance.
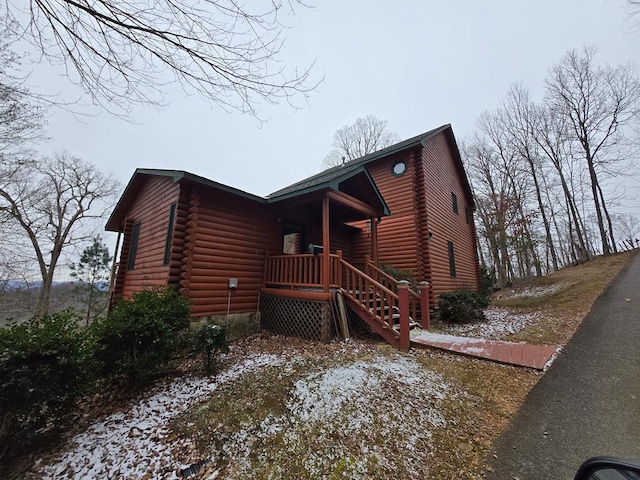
(442, 178)
(122, 264)
(179, 237)
(191, 229)
(151, 210)
(422, 225)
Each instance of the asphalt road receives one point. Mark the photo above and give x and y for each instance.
(588, 402)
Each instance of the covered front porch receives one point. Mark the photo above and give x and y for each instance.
(315, 287)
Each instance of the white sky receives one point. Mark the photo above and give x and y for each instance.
(416, 64)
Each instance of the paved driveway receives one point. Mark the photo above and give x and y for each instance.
(588, 403)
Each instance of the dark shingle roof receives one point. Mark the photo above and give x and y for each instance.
(330, 178)
(332, 175)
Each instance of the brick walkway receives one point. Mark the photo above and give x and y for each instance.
(522, 354)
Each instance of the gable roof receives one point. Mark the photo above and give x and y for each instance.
(327, 177)
(137, 180)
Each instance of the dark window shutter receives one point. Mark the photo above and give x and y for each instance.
(133, 250)
(167, 244)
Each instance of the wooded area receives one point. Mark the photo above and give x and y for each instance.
(544, 174)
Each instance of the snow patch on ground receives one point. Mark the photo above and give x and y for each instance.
(355, 415)
(133, 444)
(499, 323)
(355, 404)
(535, 292)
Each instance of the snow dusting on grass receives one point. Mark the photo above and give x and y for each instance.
(133, 444)
(536, 291)
(363, 415)
(363, 418)
(499, 323)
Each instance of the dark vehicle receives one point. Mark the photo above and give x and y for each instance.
(609, 468)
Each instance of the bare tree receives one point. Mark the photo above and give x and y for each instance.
(629, 228)
(597, 104)
(634, 10)
(48, 201)
(119, 50)
(365, 136)
(517, 113)
(22, 116)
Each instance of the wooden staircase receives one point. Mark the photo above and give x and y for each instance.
(388, 313)
(389, 306)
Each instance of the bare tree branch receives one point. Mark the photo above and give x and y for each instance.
(120, 50)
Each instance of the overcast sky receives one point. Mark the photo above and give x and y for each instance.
(416, 64)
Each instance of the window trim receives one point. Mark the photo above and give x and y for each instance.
(169, 239)
(393, 166)
(133, 247)
(452, 259)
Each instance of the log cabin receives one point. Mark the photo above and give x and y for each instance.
(310, 255)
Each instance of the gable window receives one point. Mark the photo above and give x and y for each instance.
(467, 215)
(454, 202)
(167, 243)
(452, 260)
(398, 169)
(133, 249)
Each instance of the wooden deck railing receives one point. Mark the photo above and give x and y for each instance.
(391, 283)
(377, 299)
(374, 301)
(295, 271)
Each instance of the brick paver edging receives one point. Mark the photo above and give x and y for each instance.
(521, 354)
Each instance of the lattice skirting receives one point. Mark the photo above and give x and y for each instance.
(311, 320)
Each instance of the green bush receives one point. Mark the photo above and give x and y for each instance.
(399, 274)
(141, 335)
(462, 306)
(42, 373)
(210, 340)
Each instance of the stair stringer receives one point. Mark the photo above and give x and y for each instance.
(391, 336)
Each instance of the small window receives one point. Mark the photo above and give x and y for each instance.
(467, 215)
(398, 169)
(167, 243)
(452, 260)
(454, 202)
(135, 235)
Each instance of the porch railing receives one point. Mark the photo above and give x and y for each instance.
(304, 270)
(391, 283)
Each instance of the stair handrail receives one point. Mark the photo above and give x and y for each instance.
(364, 283)
(372, 270)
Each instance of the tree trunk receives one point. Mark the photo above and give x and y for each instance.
(594, 189)
(609, 224)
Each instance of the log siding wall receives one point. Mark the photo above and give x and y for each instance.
(441, 180)
(233, 236)
(151, 209)
(397, 241)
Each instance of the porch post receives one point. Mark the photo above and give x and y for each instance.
(425, 313)
(403, 306)
(374, 241)
(326, 267)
